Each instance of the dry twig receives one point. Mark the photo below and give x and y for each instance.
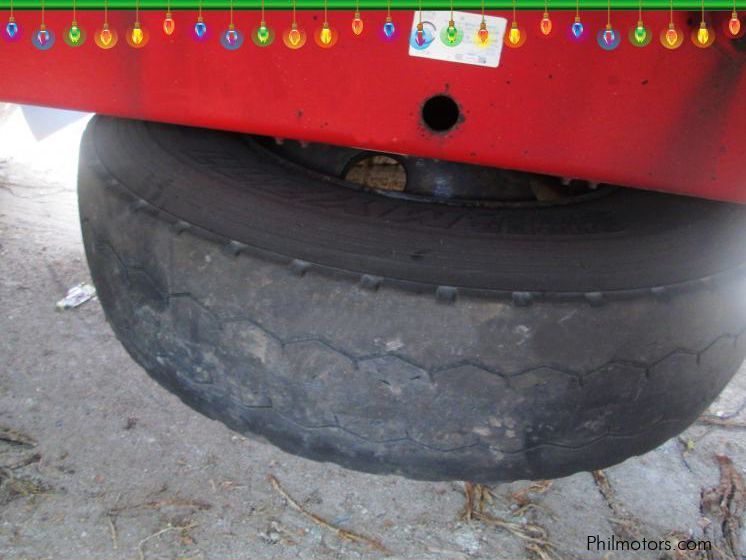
(141, 544)
(23, 462)
(534, 536)
(526, 531)
(343, 534)
(625, 525)
(15, 437)
(727, 503)
(12, 486)
(712, 420)
(158, 504)
(113, 531)
(166, 529)
(477, 496)
(539, 551)
(522, 500)
(114, 512)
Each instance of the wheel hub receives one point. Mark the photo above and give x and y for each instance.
(431, 179)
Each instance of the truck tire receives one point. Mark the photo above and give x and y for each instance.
(393, 336)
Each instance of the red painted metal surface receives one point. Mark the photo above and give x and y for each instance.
(644, 117)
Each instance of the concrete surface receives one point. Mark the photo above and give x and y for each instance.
(119, 468)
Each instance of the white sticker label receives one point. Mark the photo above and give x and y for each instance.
(465, 47)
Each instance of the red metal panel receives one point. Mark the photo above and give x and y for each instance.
(645, 117)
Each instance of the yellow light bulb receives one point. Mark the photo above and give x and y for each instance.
(672, 36)
(137, 35)
(105, 36)
(326, 34)
(294, 36)
(515, 34)
(703, 34)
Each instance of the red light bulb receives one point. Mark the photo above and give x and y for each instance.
(169, 25)
(546, 24)
(357, 24)
(483, 35)
(734, 24)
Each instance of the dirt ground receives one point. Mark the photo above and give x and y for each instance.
(100, 462)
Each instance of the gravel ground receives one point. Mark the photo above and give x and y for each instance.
(100, 462)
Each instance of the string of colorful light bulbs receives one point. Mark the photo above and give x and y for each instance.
(326, 36)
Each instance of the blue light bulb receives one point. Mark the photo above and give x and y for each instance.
(11, 29)
(577, 29)
(388, 28)
(200, 28)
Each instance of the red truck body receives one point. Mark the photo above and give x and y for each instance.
(653, 118)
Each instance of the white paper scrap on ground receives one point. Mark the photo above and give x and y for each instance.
(76, 296)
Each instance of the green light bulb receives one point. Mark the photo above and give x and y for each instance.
(640, 32)
(451, 32)
(74, 33)
(262, 33)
